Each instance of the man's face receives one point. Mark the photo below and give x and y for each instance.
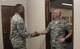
(56, 13)
(21, 9)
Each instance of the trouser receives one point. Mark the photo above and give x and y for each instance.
(19, 48)
(58, 47)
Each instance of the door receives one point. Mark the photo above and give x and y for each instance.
(7, 13)
(47, 20)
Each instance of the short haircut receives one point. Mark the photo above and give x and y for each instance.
(58, 9)
(17, 6)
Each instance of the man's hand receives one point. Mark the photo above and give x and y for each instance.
(62, 40)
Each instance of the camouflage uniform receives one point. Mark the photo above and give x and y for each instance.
(58, 31)
(18, 33)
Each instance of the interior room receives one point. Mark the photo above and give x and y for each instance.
(36, 15)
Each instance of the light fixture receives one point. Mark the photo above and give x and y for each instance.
(67, 4)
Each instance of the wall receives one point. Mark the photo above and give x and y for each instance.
(76, 24)
(67, 13)
(9, 2)
(36, 22)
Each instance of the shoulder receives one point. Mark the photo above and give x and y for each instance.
(16, 19)
(51, 22)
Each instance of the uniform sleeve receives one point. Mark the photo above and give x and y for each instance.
(23, 32)
(68, 27)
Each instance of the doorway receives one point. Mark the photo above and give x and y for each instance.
(49, 6)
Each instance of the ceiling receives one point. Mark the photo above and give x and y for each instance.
(58, 4)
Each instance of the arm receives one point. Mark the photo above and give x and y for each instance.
(43, 32)
(66, 37)
(70, 33)
(69, 29)
(47, 29)
(22, 31)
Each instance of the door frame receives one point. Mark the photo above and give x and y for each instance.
(47, 20)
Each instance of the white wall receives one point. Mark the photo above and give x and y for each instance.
(76, 24)
(36, 22)
(10, 2)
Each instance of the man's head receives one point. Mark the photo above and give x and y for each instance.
(56, 13)
(19, 8)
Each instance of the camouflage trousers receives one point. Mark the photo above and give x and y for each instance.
(58, 47)
(20, 48)
(56, 44)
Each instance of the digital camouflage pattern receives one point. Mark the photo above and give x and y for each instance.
(18, 33)
(57, 31)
